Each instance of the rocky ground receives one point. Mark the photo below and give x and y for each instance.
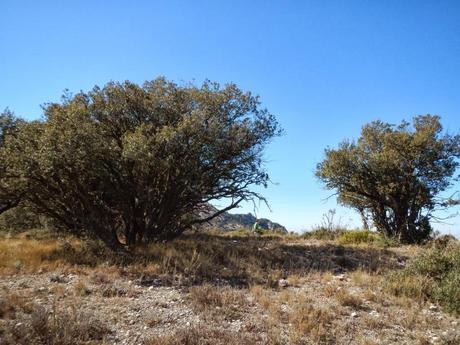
(113, 305)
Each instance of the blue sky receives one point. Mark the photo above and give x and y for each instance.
(324, 68)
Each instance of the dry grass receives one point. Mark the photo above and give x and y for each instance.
(310, 322)
(206, 334)
(227, 286)
(197, 258)
(28, 323)
(81, 288)
(218, 302)
(346, 299)
(296, 315)
(12, 303)
(27, 255)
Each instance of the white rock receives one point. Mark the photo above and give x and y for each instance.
(283, 283)
(433, 307)
(354, 314)
(374, 313)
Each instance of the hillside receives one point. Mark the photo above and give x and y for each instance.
(230, 222)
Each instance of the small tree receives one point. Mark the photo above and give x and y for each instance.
(393, 175)
(141, 162)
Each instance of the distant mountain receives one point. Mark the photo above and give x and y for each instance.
(228, 222)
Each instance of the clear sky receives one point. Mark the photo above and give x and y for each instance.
(324, 68)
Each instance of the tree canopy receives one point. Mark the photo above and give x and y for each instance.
(137, 162)
(393, 174)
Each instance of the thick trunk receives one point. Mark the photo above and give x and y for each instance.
(110, 239)
(364, 219)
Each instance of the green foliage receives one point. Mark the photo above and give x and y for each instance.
(10, 192)
(322, 233)
(329, 229)
(393, 175)
(137, 163)
(433, 275)
(358, 237)
(20, 219)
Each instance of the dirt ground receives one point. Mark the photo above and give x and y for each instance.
(111, 304)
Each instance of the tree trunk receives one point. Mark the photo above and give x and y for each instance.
(364, 219)
(110, 238)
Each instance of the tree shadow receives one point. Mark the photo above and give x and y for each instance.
(244, 261)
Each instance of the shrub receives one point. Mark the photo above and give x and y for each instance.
(357, 237)
(323, 234)
(433, 275)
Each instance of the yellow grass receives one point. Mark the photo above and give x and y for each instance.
(27, 255)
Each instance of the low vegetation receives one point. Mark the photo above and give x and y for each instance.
(223, 288)
(198, 258)
(35, 324)
(433, 275)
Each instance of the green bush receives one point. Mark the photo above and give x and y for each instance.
(433, 275)
(322, 233)
(448, 293)
(20, 219)
(358, 237)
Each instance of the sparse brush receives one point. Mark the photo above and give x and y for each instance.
(217, 301)
(323, 234)
(205, 334)
(345, 298)
(81, 288)
(60, 326)
(432, 275)
(310, 322)
(358, 237)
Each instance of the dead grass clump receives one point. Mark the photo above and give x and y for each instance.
(310, 322)
(330, 289)
(218, 301)
(346, 299)
(262, 296)
(205, 334)
(58, 326)
(372, 296)
(116, 289)
(81, 288)
(364, 279)
(13, 303)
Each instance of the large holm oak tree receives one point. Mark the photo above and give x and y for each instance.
(129, 163)
(393, 175)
